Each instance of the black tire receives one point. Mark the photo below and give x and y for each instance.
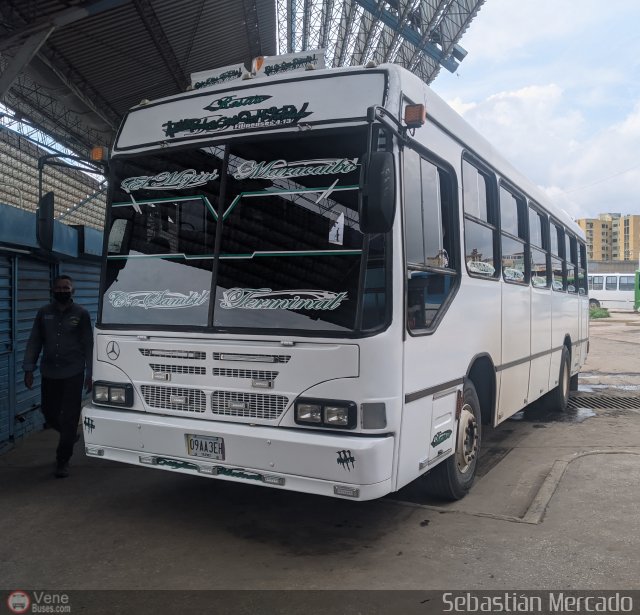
(452, 478)
(558, 398)
(594, 303)
(573, 383)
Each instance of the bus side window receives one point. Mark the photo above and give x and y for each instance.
(429, 238)
(627, 282)
(558, 262)
(598, 282)
(611, 282)
(513, 213)
(538, 244)
(582, 270)
(480, 222)
(374, 303)
(572, 263)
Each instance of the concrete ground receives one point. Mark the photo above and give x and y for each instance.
(556, 507)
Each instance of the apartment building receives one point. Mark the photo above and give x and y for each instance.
(612, 237)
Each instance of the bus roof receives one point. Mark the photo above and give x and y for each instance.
(392, 82)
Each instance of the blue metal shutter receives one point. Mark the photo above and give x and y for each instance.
(86, 281)
(34, 291)
(6, 348)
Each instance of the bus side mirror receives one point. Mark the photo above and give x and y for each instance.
(377, 193)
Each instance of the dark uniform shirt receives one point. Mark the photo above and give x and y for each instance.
(65, 339)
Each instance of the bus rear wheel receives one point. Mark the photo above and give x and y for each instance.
(558, 398)
(593, 304)
(452, 479)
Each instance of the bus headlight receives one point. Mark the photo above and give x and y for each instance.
(113, 394)
(100, 393)
(337, 414)
(117, 395)
(308, 413)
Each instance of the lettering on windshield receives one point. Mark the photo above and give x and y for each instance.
(157, 299)
(281, 169)
(267, 299)
(269, 116)
(167, 180)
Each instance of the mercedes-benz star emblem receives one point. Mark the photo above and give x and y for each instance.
(113, 350)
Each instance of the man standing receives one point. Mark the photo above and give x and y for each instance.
(62, 331)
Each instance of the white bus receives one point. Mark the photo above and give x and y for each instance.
(614, 291)
(303, 289)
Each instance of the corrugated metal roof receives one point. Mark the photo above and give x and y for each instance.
(138, 49)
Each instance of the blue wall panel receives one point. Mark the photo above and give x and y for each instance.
(6, 346)
(25, 283)
(34, 290)
(86, 279)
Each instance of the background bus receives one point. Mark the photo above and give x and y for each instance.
(614, 291)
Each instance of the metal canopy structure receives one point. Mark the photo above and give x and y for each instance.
(73, 68)
(421, 35)
(70, 69)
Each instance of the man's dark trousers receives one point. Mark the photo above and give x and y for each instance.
(61, 406)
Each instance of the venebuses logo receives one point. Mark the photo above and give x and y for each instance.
(43, 602)
(18, 601)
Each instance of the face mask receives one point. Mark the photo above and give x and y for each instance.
(62, 297)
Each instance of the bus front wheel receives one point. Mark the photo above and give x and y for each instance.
(452, 479)
(593, 304)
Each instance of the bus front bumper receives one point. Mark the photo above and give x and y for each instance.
(337, 465)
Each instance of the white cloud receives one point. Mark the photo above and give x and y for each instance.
(555, 86)
(538, 132)
(527, 126)
(460, 106)
(514, 25)
(604, 172)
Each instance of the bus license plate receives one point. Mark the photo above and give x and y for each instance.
(211, 447)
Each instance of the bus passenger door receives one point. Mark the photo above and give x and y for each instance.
(540, 342)
(516, 304)
(540, 304)
(516, 346)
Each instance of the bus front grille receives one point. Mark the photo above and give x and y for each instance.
(172, 398)
(252, 358)
(248, 405)
(255, 374)
(196, 355)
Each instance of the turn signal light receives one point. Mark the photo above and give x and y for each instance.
(415, 116)
(99, 154)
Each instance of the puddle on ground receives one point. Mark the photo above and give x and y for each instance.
(613, 388)
(587, 375)
(537, 415)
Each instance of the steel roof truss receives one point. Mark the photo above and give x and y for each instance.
(160, 40)
(21, 59)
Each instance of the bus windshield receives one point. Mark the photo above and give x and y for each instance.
(291, 255)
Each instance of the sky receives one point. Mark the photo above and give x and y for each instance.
(554, 85)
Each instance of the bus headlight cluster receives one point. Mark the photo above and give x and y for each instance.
(326, 413)
(113, 393)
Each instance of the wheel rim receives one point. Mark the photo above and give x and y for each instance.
(467, 445)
